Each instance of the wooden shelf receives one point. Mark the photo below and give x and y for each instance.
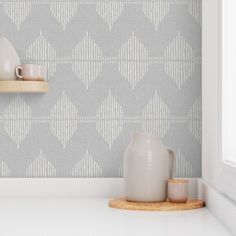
(19, 86)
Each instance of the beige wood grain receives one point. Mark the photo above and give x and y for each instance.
(156, 206)
(18, 86)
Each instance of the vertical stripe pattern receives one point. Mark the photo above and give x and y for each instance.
(195, 10)
(43, 53)
(179, 61)
(88, 60)
(183, 169)
(194, 116)
(87, 168)
(133, 64)
(63, 11)
(63, 119)
(155, 11)
(110, 11)
(120, 171)
(156, 116)
(17, 11)
(41, 167)
(4, 170)
(114, 67)
(17, 120)
(110, 119)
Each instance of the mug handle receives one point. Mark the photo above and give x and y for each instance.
(172, 162)
(18, 69)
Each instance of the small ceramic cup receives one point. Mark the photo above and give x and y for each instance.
(177, 190)
(43, 72)
(31, 72)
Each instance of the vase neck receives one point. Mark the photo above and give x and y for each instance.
(142, 136)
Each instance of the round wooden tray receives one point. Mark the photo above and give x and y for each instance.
(156, 206)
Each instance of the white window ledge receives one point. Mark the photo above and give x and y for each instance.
(76, 191)
(93, 217)
(219, 204)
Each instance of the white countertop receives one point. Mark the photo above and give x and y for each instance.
(69, 217)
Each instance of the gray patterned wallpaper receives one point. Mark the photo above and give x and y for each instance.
(114, 67)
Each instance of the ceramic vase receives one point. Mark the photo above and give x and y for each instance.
(8, 60)
(148, 165)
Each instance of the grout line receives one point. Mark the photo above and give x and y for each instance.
(156, 60)
(180, 2)
(112, 60)
(95, 119)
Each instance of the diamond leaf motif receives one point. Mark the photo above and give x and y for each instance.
(110, 11)
(42, 52)
(63, 119)
(133, 60)
(41, 167)
(156, 11)
(87, 168)
(63, 11)
(183, 169)
(88, 64)
(156, 116)
(4, 170)
(179, 60)
(120, 171)
(195, 10)
(194, 116)
(17, 11)
(17, 120)
(110, 119)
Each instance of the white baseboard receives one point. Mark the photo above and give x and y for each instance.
(220, 205)
(60, 187)
(69, 187)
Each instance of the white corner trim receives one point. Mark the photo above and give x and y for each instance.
(210, 91)
(220, 205)
(69, 187)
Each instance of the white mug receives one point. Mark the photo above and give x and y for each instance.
(31, 72)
